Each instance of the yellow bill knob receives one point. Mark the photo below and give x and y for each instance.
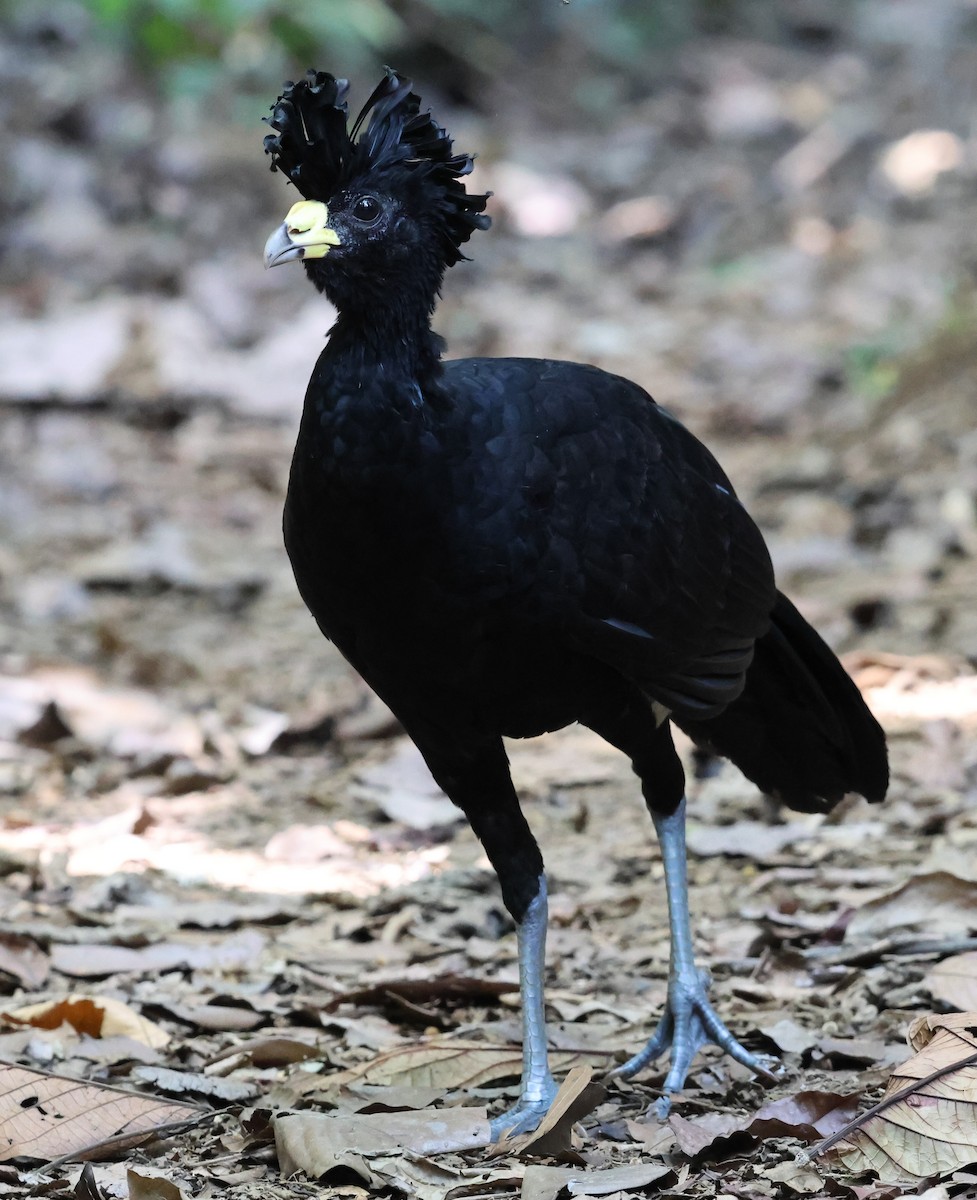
(305, 233)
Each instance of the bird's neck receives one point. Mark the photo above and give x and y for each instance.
(391, 341)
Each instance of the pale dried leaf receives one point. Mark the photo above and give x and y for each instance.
(930, 1130)
(100, 1016)
(402, 788)
(24, 959)
(179, 1083)
(939, 903)
(632, 1177)
(745, 839)
(954, 981)
(453, 1064)
(97, 960)
(796, 1177)
(45, 1116)
(315, 1143)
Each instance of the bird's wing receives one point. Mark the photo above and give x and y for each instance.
(621, 530)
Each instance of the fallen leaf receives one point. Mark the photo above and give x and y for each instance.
(179, 1083)
(403, 789)
(925, 1125)
(152, 1187)
(547, 1183)
(713, 1132)
(98, 960)
(100, 1016)
(44, 1116)
(790, 1037)
(938, 902)
(24, 959)
(807, 1115)
(796, 1177)
(577, 1097)
(221, 1018)
(454, 1064)
(423, 991)
(267, 1052)
(745, 839)
(954, 981)
(315, 1143)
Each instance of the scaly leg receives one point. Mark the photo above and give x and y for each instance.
(689, 1021)
(477, 779)
(538, 1086)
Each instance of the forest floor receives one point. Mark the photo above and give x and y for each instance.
(226, 880)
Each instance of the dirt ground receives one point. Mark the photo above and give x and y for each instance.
(227, 881)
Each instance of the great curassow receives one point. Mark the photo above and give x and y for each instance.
(503, 546)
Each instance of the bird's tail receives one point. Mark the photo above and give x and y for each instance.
(800, 730)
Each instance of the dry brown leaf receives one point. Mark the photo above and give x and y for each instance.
(24, 959)
(423, 991)
(152, 1187)
(954, 981)
(99, 1016)
(926, 1122)
(713, 1132)
(938, 902)
(264, 1053)
(45, 1116)
(315, 1143)
(807, 1115)
(577, 1097)
(453, 1064)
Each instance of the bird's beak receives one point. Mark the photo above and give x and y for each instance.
(305, 233)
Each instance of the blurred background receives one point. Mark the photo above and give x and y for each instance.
(762, 212)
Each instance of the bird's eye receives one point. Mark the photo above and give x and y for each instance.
(367, 210)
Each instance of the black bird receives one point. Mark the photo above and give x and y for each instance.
(503, 546)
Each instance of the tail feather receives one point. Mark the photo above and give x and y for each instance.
(800, 730)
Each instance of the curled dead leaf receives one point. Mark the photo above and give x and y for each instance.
(925, 1125)
(100, 1016)
(577, 1097)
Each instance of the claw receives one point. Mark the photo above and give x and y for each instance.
(689, 1023)
(525, 1117)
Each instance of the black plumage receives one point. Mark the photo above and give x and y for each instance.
(505, 546)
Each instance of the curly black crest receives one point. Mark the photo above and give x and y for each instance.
(314, 148)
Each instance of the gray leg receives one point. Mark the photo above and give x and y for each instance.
(538, 1086)
(689, 1020)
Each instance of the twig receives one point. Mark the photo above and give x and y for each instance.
(126, 1141)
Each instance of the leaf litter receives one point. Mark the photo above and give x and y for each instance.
(224, 876)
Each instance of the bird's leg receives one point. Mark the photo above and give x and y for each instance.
(480, 784)
(538, 1085)
(689, 1020)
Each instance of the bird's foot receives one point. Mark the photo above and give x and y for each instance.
(689, 1023)
(528, 1112)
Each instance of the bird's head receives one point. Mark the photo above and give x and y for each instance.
(385, 209)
